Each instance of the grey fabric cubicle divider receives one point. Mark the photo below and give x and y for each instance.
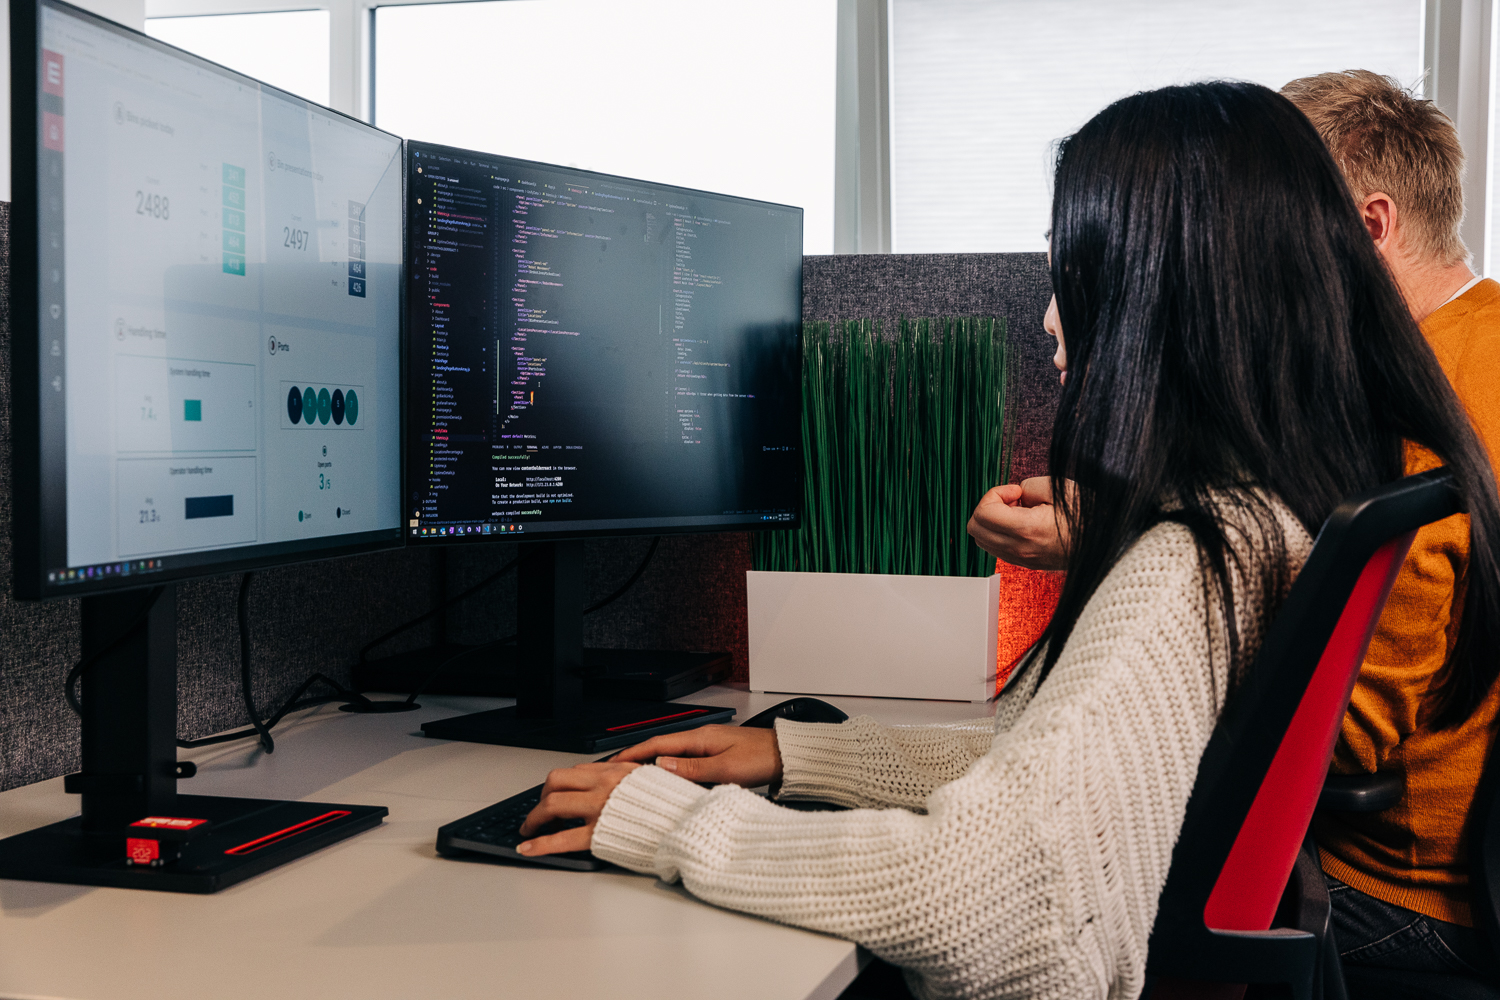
(1014, 286)
(316, 616)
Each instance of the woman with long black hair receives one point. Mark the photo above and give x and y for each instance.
(1237, 362)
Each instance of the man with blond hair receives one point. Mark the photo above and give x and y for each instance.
(1399, 879)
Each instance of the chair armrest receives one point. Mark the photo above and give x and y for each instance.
(1361, 792)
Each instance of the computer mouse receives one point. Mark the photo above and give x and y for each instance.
(796, 710)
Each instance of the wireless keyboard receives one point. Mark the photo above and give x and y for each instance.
(496, 830)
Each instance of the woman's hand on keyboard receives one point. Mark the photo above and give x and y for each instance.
(572, 793)
(714, 755)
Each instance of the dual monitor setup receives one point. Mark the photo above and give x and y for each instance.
(249, 331)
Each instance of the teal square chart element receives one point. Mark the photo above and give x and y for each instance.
(234, 264)
(234, 242)
(192, 409)
(234, 197)
(234, 176)
(234, 219)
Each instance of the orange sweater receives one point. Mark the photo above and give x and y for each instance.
(1414, 854)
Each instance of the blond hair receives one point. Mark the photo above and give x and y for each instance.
(1385, 139)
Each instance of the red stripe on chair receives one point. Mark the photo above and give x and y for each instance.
(1260, 862)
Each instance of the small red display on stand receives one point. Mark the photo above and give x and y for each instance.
(158, 840)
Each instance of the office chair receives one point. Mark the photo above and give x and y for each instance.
(1244, 901)
(1376, 792)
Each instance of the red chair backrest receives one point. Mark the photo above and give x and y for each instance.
(1250, 885)
(1265, 763)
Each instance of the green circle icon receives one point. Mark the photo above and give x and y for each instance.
(309, 405)
(351, 407)
(325, 406)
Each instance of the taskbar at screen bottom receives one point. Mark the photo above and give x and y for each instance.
(125, 574)
(444, 531)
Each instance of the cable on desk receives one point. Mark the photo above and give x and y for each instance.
(85, 663)
(296, 701)
(267, 744)
(293, 704)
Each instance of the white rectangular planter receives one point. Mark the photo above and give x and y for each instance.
(873, 634)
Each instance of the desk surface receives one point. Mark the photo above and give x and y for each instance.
(381, 915)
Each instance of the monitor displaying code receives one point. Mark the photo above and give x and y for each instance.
(220, 270)
(596, 355)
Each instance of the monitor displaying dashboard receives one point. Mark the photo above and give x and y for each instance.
(207, 306)
(595, 355)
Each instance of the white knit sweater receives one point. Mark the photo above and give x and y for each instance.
(1015, 857)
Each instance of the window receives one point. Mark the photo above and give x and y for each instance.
(736, 97)
(981, 89)
(288, 49)
(1491, 248)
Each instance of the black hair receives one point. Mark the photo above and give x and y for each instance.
(1231, 331)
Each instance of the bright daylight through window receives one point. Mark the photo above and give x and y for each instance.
(288, 49)
(981, 91)
(734, 97)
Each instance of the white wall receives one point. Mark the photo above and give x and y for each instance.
(131, 13)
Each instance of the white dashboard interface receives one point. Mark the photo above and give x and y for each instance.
(223, 285)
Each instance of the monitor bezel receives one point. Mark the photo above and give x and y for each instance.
(419, 541)
(29, 573)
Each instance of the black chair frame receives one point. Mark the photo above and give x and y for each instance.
(1245, 742)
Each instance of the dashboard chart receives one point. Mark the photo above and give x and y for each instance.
(221, 269)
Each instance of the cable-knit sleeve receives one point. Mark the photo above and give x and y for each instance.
(862, 763)
(1034, 874)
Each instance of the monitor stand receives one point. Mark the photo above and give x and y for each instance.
(130, 772)
(551, 711)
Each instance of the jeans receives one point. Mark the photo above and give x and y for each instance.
(1372, 932)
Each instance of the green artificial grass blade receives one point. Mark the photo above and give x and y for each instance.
(902, 433)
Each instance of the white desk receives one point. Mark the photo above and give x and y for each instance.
(381, 915)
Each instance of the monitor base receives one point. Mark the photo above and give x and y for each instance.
(589, 728)
(262, 833)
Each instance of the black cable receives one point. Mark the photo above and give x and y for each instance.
(137, 622)
(267, 744)
(628, 583)
(293, 704)
(364, 654)
(618, 593)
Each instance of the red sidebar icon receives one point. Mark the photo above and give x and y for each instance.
(52, 73)
(52, 83)
(52, 131)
